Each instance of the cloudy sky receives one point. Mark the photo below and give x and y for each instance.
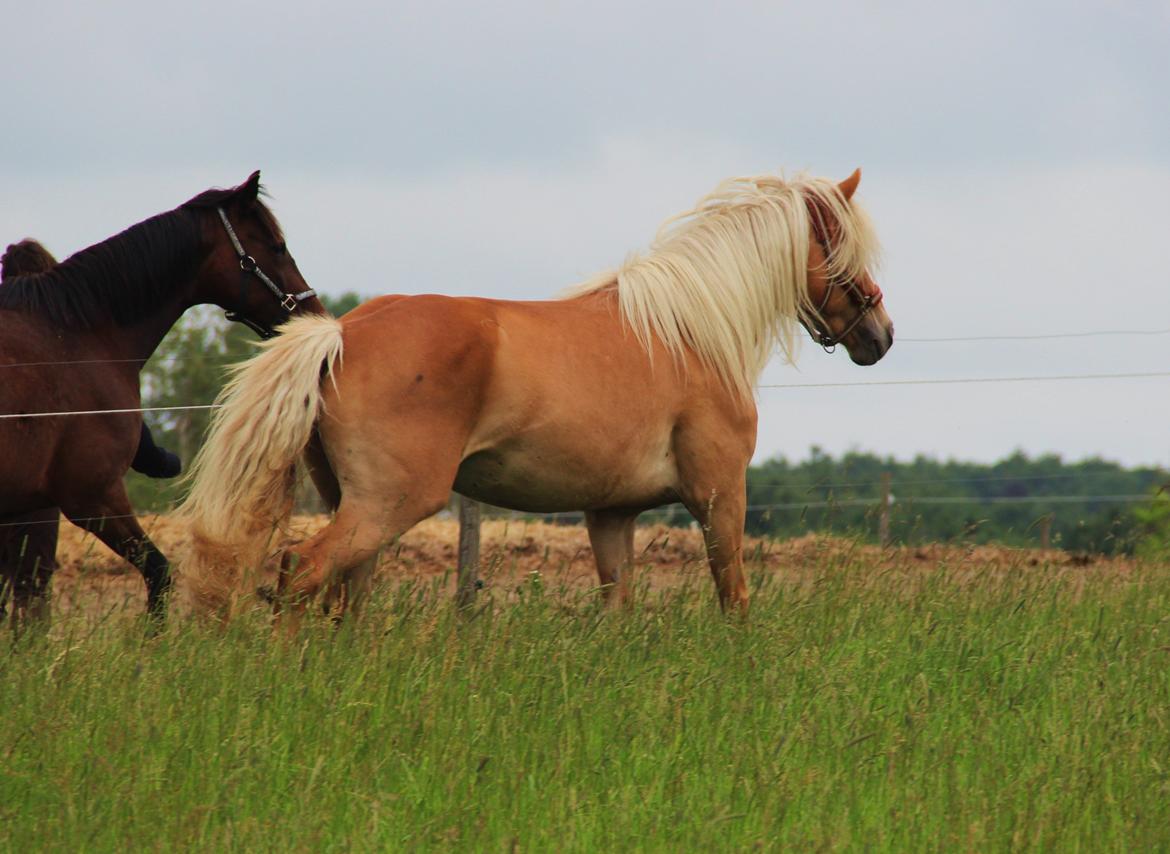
(1016, 160)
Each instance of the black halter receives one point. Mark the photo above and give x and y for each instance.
(248, 265)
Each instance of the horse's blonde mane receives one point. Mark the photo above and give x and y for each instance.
(729, 279)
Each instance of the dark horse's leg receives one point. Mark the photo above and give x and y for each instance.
(28, 557)
(153, 460)
(112, 520)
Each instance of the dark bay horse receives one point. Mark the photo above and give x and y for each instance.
(632, 391)
(73, 339)
(28, 543)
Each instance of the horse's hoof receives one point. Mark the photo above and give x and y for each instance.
(267, 593)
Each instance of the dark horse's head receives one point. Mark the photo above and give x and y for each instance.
(222, 247)
(248, 270)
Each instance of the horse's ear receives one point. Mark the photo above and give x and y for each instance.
(849, 186)
(250, 189)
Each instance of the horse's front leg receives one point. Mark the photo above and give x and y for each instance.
(28, 557)
(720, 507)
(713, 453)
(723, 535)
(111, 519)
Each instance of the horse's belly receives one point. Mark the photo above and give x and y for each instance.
(538, 478)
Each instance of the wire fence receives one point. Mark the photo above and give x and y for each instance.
(876, 484)
(908, 501)
(12, 415)
(909, 382)
(677, 508)
(1044, 336)
(172, 362)
(1134, 375)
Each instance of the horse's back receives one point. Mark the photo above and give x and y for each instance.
(414, 340)
(574, 353)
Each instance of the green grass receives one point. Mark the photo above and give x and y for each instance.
(920, 709)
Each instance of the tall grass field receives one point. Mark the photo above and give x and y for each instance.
(927, 707)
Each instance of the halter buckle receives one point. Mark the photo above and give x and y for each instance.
(248, 264)
(288, 303)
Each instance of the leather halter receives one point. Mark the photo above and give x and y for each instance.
(865, 304)
(248, 265)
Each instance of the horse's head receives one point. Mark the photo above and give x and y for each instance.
(848, 302)
(248, 271)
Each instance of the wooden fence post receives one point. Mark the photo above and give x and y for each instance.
(469, 515)
(884, 512)
(1046, 531)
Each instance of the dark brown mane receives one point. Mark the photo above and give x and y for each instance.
(122, 278)
(25, 257)
(119, 279)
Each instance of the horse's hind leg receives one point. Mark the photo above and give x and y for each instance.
(321, 472)
(355, 588)
(392, 473)
(347, 593)
(611, 533)
(112, 520)
(348, 544)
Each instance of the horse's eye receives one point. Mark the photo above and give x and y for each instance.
(281, 249)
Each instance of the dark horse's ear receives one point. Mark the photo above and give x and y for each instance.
(250, 189)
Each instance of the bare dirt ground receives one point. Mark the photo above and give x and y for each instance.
(93, 580)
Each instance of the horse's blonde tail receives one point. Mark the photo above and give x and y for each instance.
(243, 477)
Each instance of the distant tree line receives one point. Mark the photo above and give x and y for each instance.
(1006, 502)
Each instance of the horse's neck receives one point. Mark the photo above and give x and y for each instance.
(139, 340)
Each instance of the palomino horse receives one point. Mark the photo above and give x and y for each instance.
(73, 339)
(28, 543)
(632, 391)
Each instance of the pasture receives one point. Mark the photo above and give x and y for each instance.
(938, 698)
